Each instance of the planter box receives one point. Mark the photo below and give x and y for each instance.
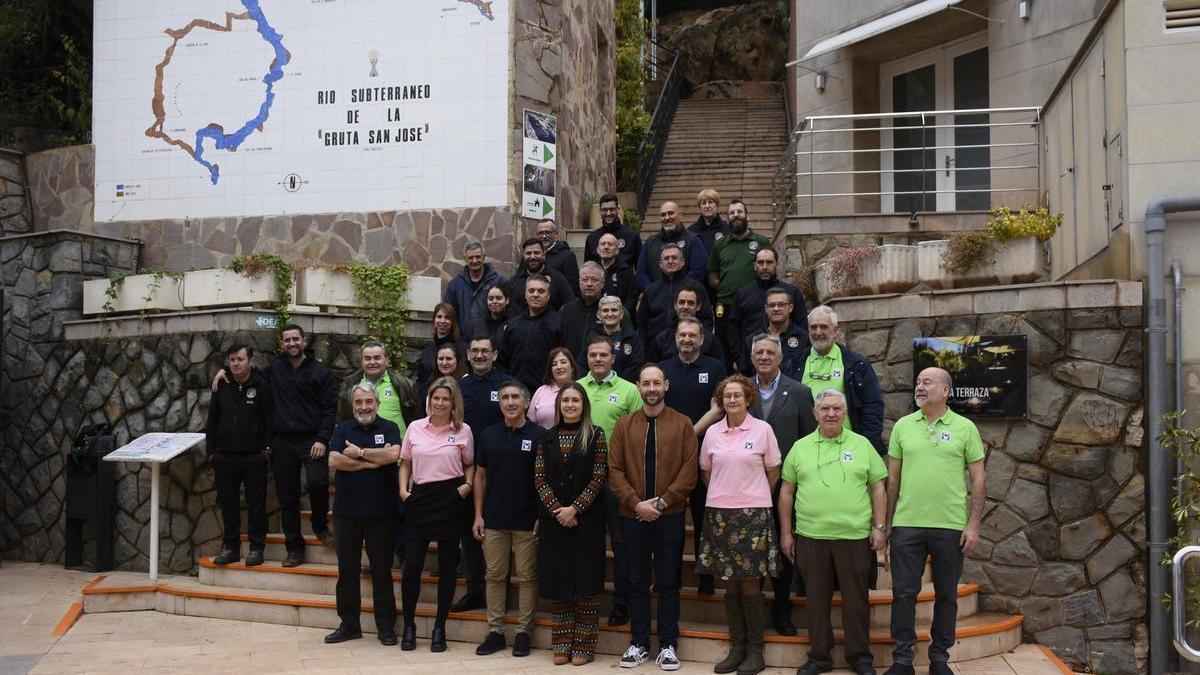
(333, 288)
(222, 287)
(1014, 262)
(136, 293)
(894, 271)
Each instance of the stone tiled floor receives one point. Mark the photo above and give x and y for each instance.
(33, 598)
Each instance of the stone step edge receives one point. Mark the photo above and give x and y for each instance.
(324, 570)
(1001, 624)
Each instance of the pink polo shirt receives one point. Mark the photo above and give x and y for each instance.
(437, 453)
(738, 458)
(541, 407)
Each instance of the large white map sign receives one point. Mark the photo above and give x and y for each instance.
(154, 447)
(215, 108)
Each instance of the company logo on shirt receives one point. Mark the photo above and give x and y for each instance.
(387, 392)
(379, 438)
(835, 373)
(753, 246)
(620, 243)
(847, 457)
(749, 445)
(946, 436)
(719, 236)
(702, 378)
(612, 398)
(251, 393)
(526, 445)
(450, 438)
(628, 349)
(495, 395)
(793, 342)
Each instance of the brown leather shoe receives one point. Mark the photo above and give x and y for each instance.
(294, 559)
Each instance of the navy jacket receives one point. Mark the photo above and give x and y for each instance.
(629, 241)
(709, 234)
(864, 397)
(749, 305)
(695, 257)
(525, 343)
(561, 258)
(304, 399)
(470, 299)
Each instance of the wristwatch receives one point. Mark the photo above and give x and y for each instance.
(882, 527)
(361, 453)
(660, 504)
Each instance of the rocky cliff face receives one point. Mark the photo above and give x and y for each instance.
(743, 41)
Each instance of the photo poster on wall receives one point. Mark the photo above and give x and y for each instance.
(540, 132)
(990, 372)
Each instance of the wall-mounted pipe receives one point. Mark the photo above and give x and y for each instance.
(1158, 485)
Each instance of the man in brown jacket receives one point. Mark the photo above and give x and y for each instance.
(652, 470)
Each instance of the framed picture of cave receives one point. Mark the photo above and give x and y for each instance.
(990, 372)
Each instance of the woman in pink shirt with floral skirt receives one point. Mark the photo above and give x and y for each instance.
(438, 455)
(740, 462)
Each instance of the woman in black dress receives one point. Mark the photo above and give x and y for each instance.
(570, 468)
(445, 330)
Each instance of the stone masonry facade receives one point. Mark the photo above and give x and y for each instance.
(15, 216)
(1063, 539)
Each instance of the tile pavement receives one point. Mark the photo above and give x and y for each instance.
(33, 598)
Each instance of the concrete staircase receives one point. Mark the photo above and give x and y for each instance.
(730, 144)
(303, 596)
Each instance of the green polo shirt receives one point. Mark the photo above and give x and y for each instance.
(389, 402)
(826, 372)
(733, 259)
(933, 487)
(610, 399)
(833, 479)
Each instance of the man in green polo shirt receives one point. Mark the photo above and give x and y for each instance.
(828, 365)
(833, 483)
(611, 398)
(731, 266)
(928, 453)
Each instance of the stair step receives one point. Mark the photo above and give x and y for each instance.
(322, 579)
(977, 636)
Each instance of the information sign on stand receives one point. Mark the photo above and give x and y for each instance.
(155, 448)
(540, 152)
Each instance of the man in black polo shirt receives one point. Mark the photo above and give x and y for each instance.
(506, 515)
(694, 378)
(236, 439)
(481, 409)
(364, 451)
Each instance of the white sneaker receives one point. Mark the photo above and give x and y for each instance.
(667, 659)
(636, 656)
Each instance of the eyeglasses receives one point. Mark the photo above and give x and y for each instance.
(778, 305)
(820, 376)
(821, 464)
(478, 350)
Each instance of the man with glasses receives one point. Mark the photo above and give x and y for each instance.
(481, 409)
(839, 520)
(793, 337)
(828, 365)
(629, 243)
(749, 301)
(559, 256)
(787, 406)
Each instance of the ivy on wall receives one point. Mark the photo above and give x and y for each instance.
(632, 118)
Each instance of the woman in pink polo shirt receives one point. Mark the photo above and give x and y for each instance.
(740, 462)
(438, 454)
(560, 371)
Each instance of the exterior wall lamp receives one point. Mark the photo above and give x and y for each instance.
(1023, 8)
(819, 80)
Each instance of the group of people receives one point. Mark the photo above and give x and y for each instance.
(531, 436)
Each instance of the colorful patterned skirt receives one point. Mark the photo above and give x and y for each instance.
(738, 544)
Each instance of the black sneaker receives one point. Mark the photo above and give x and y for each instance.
(814, 668)
(900, 669)
(491, 644)
(939, 668)
(521, 645)
(783, 622)
(294, 559)
(468, 603)
(619, 616)
(864, 669)
(327, 539)
(254, 558)
(342, 634)
(227, 556)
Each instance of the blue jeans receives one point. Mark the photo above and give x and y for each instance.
(909, 547)
(661, 540)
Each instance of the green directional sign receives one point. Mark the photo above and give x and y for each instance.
(547, 207)
(547, 154)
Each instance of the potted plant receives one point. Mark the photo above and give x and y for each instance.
(1009, 251)
(867, 270)
(252, 279)
(134, 292)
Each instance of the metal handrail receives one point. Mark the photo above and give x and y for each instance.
(650, 150)
(928, 120)
(1179, 603)
(783, 182)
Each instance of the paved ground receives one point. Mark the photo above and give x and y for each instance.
(34, 598)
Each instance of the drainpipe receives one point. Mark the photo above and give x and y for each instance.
(1158, 482)
(1177, 277)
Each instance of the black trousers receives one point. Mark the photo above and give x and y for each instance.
(379, 535)
(232, 471)
(616, 538)
(909, 547)
(472, 556)
(288, 460)
(782, 585)
(662, 541)
(696, 503)
(414, 564)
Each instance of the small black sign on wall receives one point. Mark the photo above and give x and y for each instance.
(990, 372)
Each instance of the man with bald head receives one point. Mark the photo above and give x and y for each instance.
(929, 515)
(618, 277)
(673, 232)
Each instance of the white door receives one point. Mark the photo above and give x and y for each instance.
(925, 166)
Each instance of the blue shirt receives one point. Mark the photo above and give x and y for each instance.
(509, 501)
(692, 384)
(481, 398)
(372, 493)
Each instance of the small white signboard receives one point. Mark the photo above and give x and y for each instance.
(540, 153)
(154, 447)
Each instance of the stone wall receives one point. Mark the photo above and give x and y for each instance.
(15, 216)
(1063, 539)
(562, 63)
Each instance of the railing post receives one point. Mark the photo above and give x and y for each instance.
(812, 177)
(1179, 602)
